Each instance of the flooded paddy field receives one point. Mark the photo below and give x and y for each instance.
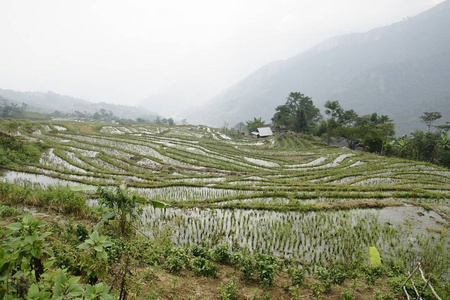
(300, 201)
(313, 238)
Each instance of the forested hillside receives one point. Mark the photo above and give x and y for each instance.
(400, 70)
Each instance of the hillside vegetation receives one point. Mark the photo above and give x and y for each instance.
(62, 105)
(163, 212)
(399, 70)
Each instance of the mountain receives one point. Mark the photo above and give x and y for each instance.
(401, 70)
(50, 102)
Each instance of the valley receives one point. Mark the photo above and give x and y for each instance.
(312, 206)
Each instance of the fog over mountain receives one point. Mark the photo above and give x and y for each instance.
(168, 55)
(50, 102)
(400, 70)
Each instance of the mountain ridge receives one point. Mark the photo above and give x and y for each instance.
(334, 69)
(49, 102)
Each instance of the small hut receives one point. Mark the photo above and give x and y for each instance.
(262, 132)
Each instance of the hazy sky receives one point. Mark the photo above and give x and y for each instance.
(124, 51)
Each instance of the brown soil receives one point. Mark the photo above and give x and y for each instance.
(84, 128)
(155, 283)
(359, 204)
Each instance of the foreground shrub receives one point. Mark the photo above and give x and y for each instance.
(266, 268)
(26, 271)
(297, 276)
(246, 263)
(221, 254)
(347, 295)
(200, 251)
(176, 261)
(229, 291)
(204, 267)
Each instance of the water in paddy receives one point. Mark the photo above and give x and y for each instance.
(43, 180)
(311, 238)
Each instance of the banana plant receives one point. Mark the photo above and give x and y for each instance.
(124, 207)
(445, 141)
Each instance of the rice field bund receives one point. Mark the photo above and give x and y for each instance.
(282, 195)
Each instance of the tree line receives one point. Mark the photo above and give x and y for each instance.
(15, 111)
(371, 132)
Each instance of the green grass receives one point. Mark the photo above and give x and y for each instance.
(82, 188)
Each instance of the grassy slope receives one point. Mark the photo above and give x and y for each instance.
(198, 146)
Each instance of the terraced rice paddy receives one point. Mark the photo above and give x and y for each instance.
(282, 195)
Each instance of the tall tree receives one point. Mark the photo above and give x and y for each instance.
(298, 114)
(429, 117)
(253, 125)
(334, 110)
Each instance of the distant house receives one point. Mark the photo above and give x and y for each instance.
(263, 132)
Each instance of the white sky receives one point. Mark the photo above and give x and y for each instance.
(124, 51)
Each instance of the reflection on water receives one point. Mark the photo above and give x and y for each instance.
(312, 237)
(43, 180)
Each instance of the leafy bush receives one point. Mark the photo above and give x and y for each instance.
(372, 273)
(229, 291)
(66, 288)
(266, 268)
(222, 254)
(26, 267)
(116, 250)
(25, 244)
(81, 232)
(152, 253)
(246, 264)
(124, 206)
(335, 275)
(297, 276)
(347, 295)
(316, 288)
(200, 251)
(99, 291)
(98, 245)
(204, 267)
(176, 261)
(94, 259)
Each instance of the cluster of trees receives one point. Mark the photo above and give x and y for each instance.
(15, 111)
(431, 146)
(12, 110)
(164, 121)
(101, 115)
(299, 114)
(369, 131)
(372, 132)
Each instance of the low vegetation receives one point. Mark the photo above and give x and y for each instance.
(371, 132)
(163, 212)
